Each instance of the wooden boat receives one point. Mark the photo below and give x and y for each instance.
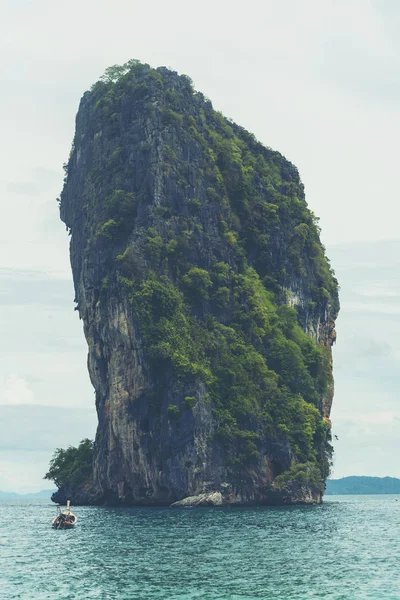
(64, 520)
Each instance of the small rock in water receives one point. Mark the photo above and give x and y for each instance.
(209, 499)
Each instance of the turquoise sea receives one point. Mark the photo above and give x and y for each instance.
(348, 548)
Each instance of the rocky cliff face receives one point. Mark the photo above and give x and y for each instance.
(207, 301)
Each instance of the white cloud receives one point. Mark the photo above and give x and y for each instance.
(23, 472)
(43, 428)
(15, 390)
(373, 307)
(379, 292)
(368, 444)
(372, 418)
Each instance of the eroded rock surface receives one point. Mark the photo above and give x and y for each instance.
(207, 302)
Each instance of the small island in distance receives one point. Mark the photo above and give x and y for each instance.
(362, 485)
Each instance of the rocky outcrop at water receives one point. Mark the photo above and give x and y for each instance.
(207, 301)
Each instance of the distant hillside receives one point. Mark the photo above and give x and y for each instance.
(363, 485)
(14, 495)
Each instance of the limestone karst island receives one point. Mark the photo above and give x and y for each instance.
(207, 301)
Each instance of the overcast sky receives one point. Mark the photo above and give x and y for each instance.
(318, 80)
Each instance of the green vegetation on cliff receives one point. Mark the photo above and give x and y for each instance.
(258, 366)
(72, 467)
(207, 234)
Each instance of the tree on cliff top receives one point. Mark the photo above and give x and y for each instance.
(73, 466)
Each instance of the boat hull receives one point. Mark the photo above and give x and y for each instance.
(64, 521)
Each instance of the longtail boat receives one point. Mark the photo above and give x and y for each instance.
(65, 519)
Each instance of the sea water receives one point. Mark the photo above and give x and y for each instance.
(348, 548)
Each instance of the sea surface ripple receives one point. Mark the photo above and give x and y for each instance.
(346, 549)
